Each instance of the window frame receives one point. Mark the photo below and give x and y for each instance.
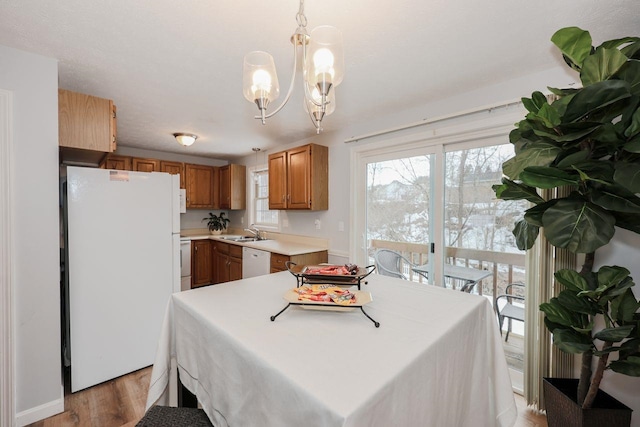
(252, 197)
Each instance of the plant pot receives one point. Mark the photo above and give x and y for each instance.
(215, 232)
(560, 396)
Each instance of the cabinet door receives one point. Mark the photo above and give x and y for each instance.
(220, 259)
(121, 163)
(145, 165)
(225, 187)
(114, 128)
(85, 121)
(277, 262)
(278, 180)
(235, 268)
(174, 168)
(200, 182)
(200, 263)
(298, 178)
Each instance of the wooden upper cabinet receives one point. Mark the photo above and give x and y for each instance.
(233, 187)
(299, 178)
(122, 163)
(145, 165)
(86, 122)
(174, 168)
(201, 185)
(278, 180)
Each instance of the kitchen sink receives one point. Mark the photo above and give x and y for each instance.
(241, 238)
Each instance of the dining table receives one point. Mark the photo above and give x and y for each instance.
(436, 358)
(469, 276)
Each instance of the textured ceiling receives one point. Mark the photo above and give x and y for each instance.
(176, 66)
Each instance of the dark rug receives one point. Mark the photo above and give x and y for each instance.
(166, 416)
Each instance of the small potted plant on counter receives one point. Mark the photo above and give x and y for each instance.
(216, 224)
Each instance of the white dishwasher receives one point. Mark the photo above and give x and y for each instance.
(255, 262)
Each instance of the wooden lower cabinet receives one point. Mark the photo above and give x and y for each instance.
(201, 268)
(227, 262)
(314, 258)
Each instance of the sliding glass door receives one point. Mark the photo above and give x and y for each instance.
(399, 210)
(434, 205)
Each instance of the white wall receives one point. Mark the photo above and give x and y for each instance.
(33, 80)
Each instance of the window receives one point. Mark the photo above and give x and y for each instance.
(259, 213)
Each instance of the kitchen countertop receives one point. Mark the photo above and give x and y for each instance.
(283, 247)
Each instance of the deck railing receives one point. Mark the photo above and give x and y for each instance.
(505, 267)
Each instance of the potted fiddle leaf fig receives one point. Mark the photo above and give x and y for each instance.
(587, 139)
(216, 223)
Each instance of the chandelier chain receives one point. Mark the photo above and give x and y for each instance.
(301, 18)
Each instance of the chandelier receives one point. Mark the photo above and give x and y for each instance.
(322, 69)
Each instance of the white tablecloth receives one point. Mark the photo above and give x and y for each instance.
(436, 359)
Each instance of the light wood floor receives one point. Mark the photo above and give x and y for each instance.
(121, 402)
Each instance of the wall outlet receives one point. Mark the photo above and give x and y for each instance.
(318, 224)
(241, 220)
(340, 225)
(285, 223)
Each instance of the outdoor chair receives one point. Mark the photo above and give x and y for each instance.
(390, 263)
(510, 310)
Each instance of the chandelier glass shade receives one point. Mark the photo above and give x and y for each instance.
(322, 64)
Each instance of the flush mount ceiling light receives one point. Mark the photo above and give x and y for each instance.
(322, 65)
(185, 139)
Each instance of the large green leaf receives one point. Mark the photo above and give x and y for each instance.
(633, 50)
(595, 97)
(614, 198)
(547, 177)
(600, 66)
(510, 190)
(534, 103)
(557, 313)
(634, 126)
(533, 215)
(628, 175)
(535, 154)
(630, 366)
(628, 221)
(624, 306)
(614, 334)
(573, 302)
(571, 341)
(633, 146)
(569, 132)
(571, 280)
(595, 170)
(547, 115)
(525, 234)
(630, 72)
(578, 225)
(574, 43)
(616, 43)
(570, 157)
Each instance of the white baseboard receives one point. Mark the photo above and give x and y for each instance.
(41, 412)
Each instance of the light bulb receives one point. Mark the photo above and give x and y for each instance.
(323, 63)
(261, 84)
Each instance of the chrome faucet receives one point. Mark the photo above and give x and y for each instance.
(255, 231)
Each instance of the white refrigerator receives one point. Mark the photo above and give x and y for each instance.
(123, 263)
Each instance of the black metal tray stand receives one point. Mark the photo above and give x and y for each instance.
(318, 279)
(303, 278)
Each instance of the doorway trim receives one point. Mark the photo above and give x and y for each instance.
(7, 347)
